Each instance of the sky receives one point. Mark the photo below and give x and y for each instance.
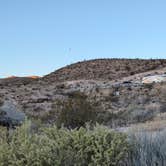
(40, 36)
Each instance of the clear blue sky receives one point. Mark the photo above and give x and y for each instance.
(39, 36)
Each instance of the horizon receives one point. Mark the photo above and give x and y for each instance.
(39, 37)
(85, 60)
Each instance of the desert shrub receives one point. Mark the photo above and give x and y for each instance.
(149, 86)
(149, 149)
(1, 102)
(24, 148)
(163, 108)
(162, 93)
(136, 114)
(108, 118)
(64, 147)
(128, 68)
(112, 98)
(76, 111)
(2, 134)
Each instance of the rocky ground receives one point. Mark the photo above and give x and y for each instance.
(114, 88)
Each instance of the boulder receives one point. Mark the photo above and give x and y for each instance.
(154, 79)
(10, 116)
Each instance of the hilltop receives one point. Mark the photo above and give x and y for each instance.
(104, 69)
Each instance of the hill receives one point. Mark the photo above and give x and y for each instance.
(104, 69)
(14, 80)
(113, 88)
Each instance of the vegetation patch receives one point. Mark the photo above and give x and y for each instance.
(63, 147)
(75, 112)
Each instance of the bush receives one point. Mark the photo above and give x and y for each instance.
(63, 147)
(1, 102)
(2, 134)
(75, 112)
(149, 149)
(137, 114)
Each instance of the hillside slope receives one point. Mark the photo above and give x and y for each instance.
(13, 80)
(104, 69)
(127, 100)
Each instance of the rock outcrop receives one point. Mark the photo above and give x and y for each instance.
(10, 116)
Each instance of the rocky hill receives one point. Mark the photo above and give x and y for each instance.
(104, 69)
(14, 80)
(113, 87)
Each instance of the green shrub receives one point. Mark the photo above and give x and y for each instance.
(63, 147)
(24, 148)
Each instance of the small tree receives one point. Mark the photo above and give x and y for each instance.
(76, 111)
